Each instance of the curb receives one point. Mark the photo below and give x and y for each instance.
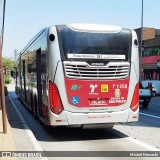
(28, 130)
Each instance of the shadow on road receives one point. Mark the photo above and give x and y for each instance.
(78, 134)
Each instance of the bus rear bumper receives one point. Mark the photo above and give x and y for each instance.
(67, 118)
(90, 118)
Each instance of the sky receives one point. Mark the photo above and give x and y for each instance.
(25, 18)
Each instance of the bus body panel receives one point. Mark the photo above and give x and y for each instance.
(53, 54)
(71, 112)
(63, 88)
(135, 55)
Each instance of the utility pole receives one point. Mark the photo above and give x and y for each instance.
(141, 45)
(3, 105)
(4, 117)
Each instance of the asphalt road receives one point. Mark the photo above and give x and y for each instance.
(147, 129)
(151, 115)
(140, 136)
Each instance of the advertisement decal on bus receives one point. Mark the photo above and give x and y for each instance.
(87, 93)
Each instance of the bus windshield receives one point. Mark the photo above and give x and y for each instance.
(77, 44)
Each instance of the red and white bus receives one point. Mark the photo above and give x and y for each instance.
(80, 75)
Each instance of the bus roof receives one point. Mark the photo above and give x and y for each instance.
(94, 27)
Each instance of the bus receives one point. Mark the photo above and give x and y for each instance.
(80, 75)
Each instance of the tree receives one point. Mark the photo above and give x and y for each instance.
(9, 64)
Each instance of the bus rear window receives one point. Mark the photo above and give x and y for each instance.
(95, 45)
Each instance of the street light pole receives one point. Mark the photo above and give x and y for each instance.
(141, 45)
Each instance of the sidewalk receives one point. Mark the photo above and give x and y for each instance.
(7, 142)
(17, 137)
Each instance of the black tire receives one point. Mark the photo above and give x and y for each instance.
(35, 110)
(153, 94)
(145, 104)
(31, 104)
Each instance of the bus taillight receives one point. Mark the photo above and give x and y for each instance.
(54, 98)
(135, 98)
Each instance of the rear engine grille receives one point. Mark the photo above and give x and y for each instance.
(82, 70)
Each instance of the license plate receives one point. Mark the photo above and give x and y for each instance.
(98, 101)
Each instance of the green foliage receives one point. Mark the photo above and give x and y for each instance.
(7, 79)
(9, 65)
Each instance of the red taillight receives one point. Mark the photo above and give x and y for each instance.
(135, 99)
(54, 98)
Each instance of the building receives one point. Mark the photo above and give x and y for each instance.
(150, 53)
